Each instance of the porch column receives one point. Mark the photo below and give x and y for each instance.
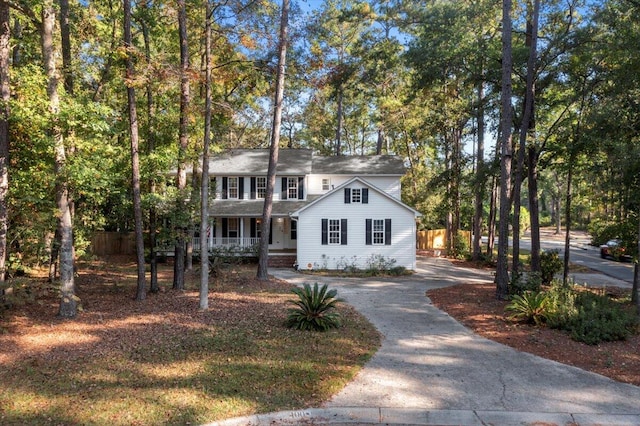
(241, 220)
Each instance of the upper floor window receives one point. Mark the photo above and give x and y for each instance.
(261, 187)
(258, 187)
(356, 195)
(292, 188)
(326, 184)
(232, 188)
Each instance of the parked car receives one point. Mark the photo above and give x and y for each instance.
(615, 249)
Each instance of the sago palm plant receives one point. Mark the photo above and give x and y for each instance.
(314, 308)
(529, 307)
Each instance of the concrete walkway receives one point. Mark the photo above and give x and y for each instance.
(431, 370)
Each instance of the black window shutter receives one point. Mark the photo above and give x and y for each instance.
(224, 188)
(225, 227)
(387, 232)
(347, 195)
(365, 195)
(253, 226)
(343, 232)
(325, 232)
(271, 231)
(294, 229)
(284, 189)
(300, 188)
(240, 188)
(253, 188)
(368, 237)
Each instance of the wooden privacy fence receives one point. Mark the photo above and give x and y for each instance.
(105, 243)
(436, 239)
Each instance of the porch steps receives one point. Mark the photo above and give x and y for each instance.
(282, 261)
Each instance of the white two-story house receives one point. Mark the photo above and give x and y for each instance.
(328, 212)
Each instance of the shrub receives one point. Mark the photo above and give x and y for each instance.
(461, 248)
(528, 307)
(377, 263)
(398, 271)
(600, 319)
(349, 266)
(531, 281)
(550, 265)
(561, 305)
(315, 309)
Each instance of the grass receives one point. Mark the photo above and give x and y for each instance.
(161, 361)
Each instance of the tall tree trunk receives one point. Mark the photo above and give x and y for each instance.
(263, 263)
(567, 225)
(204, 183)
(480, 178)
(65, 38)
(180, 247)
(449, 199)
(530, 119)
(340, 123)
(153, 217)
(526, 127)
(635, 291)
(5, 97)
(491, 232)
(532, 181)
(135, 162)
(502, 272)
(68, 300)
(196, 182)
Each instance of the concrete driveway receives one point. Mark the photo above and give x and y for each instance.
(431, 370)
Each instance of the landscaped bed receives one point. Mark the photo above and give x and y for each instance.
(475, 306)
(162, 361)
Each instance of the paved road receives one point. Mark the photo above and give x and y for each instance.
(584, 254)
(431, 370)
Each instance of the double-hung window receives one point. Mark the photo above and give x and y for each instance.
(326, 184)
(232, 187)
(378, 232)
(334, 232)
(292, 188)
(261, 187)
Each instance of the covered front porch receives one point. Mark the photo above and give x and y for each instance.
(244, 234)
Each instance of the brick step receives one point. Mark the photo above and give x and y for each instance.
(282, 261)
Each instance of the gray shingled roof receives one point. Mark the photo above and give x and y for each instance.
(297, 162)
(253, 208)
(358, 165)
(256, 162)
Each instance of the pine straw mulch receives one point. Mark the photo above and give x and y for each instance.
(108, 313)
(476, 306)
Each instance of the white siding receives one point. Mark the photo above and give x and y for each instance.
(312, 254)
(388, 184)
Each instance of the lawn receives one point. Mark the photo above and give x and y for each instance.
(162, 361)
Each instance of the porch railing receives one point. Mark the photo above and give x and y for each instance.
(227, 243)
